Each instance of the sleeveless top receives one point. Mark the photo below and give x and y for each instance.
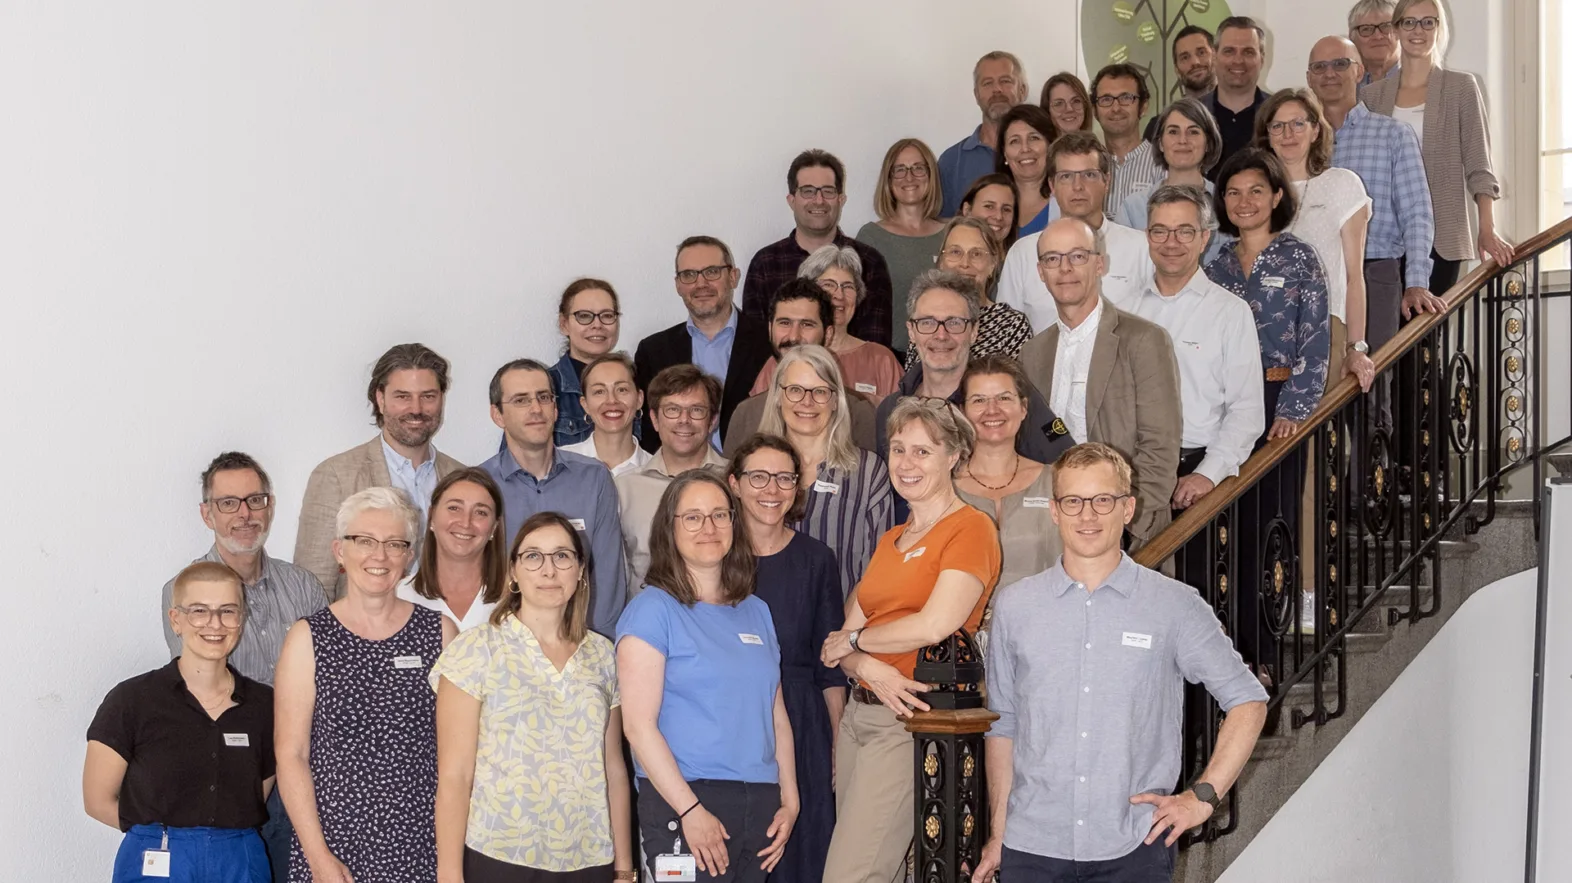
(374, 749)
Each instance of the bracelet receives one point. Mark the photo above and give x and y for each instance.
(689, 809)
(625, 875)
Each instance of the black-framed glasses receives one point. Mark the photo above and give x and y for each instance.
(693, 522)
(1085, 176)
(231, 505)
(1429, 23)
(1184, 233)
(1077, 258)
(696, 413)
(1367, 31)
(199, 615)
(917, 170)
(1102, 504)
(796, 392)
(759, 479)
(712, 272)
(585, 317)
(1125, 99)
(523, 399)
(831, 287)
(1297, 125)
(1336, 64)
(808, 191)
(929, 325)
(535, 559)
(369, 545)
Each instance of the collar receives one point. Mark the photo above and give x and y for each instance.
(394, 457)
(1142, 149)
(1087, 328)
(1261, 95)
(567, 378)
(1194, 287)
(974, 140)
(1355, 115)
(171, 678)
(657, 464)
(731, 325)
(262, 556)
(913, 379)
(511, 467)
(1122, 579)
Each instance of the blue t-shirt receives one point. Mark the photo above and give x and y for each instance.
(723, 665)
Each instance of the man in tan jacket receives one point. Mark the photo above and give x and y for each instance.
(408, 386)
(1110, 375)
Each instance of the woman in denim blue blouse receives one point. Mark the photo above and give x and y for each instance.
(590, 317)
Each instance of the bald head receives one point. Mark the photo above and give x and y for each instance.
(1335, 88)
(1075, 286)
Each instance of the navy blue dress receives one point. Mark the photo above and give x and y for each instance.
(802, 586)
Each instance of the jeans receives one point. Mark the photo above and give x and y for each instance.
(196, 855)
(1145, 864)
(276, 835)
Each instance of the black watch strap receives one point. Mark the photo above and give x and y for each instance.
(1207, 794)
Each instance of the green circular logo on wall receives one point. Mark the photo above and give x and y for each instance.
(1141, 33)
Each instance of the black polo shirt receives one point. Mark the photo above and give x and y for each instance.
(184, 769)
(1237, 129)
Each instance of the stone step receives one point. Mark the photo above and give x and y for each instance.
(1269, 747)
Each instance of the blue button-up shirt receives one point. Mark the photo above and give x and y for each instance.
(417, 481)
(959, 165)
(581, 490)
(712, 355)
(1384, 153)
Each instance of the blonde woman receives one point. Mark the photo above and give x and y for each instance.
(907, 200)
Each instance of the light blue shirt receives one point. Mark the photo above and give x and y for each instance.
(1385, 154)
(416, 481)
(1132, 214)
(712, 355)
(723, 667)
(959, 165)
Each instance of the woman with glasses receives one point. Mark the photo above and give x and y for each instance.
(1187, 144)
(849, 504)
(869, 369)
(930, 576)
(356, 718)
(463, 558)
(992, 199)
(1025, 132)
(531, 786)
(589, 316)
(1067, 101)
(971, 249)
(1445, 109)
(800, 580)
(612, 402)
(907, 200)
(180, 759)
(699, 672)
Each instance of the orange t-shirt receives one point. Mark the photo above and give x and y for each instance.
(898, 584)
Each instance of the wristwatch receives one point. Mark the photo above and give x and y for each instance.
(1207, 794)
(851, 638)
(1359, 346)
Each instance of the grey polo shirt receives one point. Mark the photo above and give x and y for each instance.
(1089, 686)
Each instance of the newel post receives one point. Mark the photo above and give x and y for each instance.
(951, 796)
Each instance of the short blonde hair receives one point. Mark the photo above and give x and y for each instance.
(205, 572)
(1443, 24)
(884, 194)
(944, 421)
(385, 499)
(1089, 454)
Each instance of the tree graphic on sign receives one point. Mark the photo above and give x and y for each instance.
(1141, 33)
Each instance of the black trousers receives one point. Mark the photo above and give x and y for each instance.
(746, 809)
(1443, 274)
(479, 868)
(1383, 318)
(1146, 864)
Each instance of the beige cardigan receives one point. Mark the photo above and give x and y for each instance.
(1456, 153)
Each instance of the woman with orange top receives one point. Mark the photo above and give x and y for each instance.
(927, 578)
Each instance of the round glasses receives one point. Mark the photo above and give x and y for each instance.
(1429, 23)
(916, 170)
(1297, 125)
(535, 559)
(795, 393)
(585, 317)
(693, 522)
(696, 413)
(229, 616)
(231, 505)
(759, 479)
(1102, 504)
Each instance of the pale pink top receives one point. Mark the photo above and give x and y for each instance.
(869, 370)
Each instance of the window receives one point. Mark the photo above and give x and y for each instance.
(1555, 140)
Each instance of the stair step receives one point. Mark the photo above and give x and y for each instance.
(1561, 461)
(1446, 548)
(1269, 747)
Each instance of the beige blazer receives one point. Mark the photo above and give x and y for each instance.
(330, 484)
(1132, 405)
(1456, 150)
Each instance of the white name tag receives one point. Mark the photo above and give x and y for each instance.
(155, 863)
(1035, 503)
(1131, 639)
(1273, 281)
(406, 662)
(750, 639)
(237, 740)
(915, 553)
(824, 487)
(868, 388)
(578, 523)
(673, 869)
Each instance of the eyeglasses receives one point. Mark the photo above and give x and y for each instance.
(523, 399)
(1102, 504)
(1185, 234)
(982, 401)
(916, 170)
(965, 257)
(688, 277)
(369, 545)
(1339, 65)
(1278, 127)
(1429, 23)
(1077, 258)
(1125, 99)
(693, 522)
(1085, 176)
(229, 616)
(1066, 104)
(759, 479)
(231, 505)
(606, 317)
(831, 287)
(696, 413)
(1366, 31)
(929, 325)
(808, 192)
(796, 393)
(561, 559)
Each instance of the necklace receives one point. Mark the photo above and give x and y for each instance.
(221, 698)
(913, 528)
(1013, 472)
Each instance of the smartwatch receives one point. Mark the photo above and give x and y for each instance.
(1207, 794)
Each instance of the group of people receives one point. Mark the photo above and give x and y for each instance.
(673, 622)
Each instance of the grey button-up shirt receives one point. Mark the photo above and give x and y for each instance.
(1089, 686)
(283, 594)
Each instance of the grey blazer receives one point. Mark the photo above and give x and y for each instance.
(1456, 151)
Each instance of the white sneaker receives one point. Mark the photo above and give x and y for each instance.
(1307, 613)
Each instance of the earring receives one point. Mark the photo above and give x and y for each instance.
(513, 585)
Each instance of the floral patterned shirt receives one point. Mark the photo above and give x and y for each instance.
(539, 797)
(1286, 289)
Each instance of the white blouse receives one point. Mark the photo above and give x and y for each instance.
(1326, 202)
(587, 449)
(1414, 117)
(479, 611)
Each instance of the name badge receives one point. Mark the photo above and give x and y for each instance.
(1273, 281)
(578, 523)
(915, 553)
(868, 388)
(824, 487)
(675, 869)
(750, 639)
(1132, 639)
(1035, 502)
(406, 662)
(237, 740)
(155, 863)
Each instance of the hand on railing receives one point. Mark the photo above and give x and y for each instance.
(1282, 427)
(1420, 300)
(1359, 366)
(1190, 488)
(1494, 246)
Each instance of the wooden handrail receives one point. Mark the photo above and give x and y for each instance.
(1195, 518)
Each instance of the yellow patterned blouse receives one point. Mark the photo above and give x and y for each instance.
(539, 798)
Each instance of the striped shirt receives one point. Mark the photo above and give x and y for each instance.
(1384, 153)
(848, 510)
(282, 595)
(1136, 173)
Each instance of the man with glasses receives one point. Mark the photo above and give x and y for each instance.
(237, 506)
(1122, 640)
(681, 402)
(1080, 167)
(1370, 28)
(721, 341)
(998, 84)
(1110, 375)
(536, 476)
(1120, 98)
(1241, 53)
(816, 192)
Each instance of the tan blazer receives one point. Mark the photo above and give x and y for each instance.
(330, 484)
(1132, 405)
(1456, 151)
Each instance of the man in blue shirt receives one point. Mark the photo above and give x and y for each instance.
(998, 83)
(536, 477)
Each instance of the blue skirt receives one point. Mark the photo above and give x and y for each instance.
(196, 855)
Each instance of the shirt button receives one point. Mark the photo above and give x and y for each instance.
(1088, 602)
(1079, 822)
(1083, 735)
(1083, 778)
(1088, 646)
(1086, 689)
(215, 787)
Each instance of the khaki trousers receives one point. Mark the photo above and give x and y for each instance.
(873, 797)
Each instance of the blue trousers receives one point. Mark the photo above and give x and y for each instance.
(196, 855)
(1146, 864)
(276, 835)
